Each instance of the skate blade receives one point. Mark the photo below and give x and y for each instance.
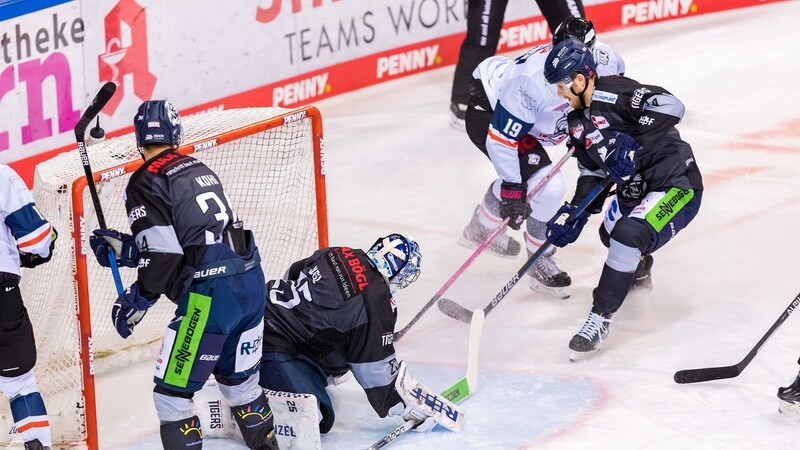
(581, 356)
(562, 293)
(788, 409)
(464, 242)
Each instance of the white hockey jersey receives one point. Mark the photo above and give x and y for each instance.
(23, 229)
(524, 103)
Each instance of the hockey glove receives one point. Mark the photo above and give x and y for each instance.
(124, 246)
(565, 227)
(129, 310)
(425, 423)
(31, 260)
(513, 203)
(619, 159)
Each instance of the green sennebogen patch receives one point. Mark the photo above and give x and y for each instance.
(673, 201)
(184, 350)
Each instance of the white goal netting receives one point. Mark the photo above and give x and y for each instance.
(269, 176)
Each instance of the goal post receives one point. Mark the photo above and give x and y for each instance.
(271, 164)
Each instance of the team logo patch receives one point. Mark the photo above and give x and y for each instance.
(533, 159)
(593, 138)
(600, 56)
(576, 131)
(600, 122)
(603, 96)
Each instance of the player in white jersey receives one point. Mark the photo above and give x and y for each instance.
(26, 240)
(511, 114)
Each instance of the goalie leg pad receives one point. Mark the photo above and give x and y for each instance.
(416, 394)
(256, 423)
(182, 434)
(299, 375)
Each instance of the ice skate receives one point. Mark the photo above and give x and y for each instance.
(547, 278)
(789, 399)
(475, 233)
(458, 112)
(642, 278)
(590, 337)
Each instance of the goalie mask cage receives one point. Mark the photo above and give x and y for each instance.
(270, 161)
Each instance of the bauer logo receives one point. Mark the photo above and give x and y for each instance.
(409, 61)
(301, 91)
(649, 11)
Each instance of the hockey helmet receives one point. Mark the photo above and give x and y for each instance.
(397, 258)
(566, 58)
(576, 28)
(157, 122)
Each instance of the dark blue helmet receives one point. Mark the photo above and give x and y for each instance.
(576, 28)
(566, 58)
(157, 122)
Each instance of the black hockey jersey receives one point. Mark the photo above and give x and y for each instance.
(648, 114)
(176, 206)
(336, 308)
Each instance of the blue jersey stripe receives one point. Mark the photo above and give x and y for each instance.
(27, 406)
(15, 8)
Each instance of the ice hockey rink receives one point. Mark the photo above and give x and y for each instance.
(394, 164)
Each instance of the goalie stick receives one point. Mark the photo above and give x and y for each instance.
(99, 101)
(456, 393)
(479, 250)
(719, 373)
(458, 312)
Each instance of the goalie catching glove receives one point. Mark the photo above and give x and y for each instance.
(129, 310)
(124, 245)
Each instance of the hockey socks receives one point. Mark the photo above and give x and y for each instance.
(30, 418)
(256, 423)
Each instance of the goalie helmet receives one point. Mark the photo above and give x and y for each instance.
(157, 122)
(397, 257)
(568, 57)
(576, 28)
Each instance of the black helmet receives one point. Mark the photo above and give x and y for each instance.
(577, 28)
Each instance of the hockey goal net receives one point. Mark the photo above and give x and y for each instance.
(270, 161)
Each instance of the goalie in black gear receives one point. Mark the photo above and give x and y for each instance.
(334, 312)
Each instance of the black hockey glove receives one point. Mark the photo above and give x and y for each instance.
(125, 249)
(619, 159)
(129, 310)
(565, 226)
(513, 203)
(31, 260)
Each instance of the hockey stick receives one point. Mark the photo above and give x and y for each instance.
(100, 100)
(481, 247)
(458, 312)
(455, 393)
(719, 373)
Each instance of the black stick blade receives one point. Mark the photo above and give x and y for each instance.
(707, 374)
(454, 310)
(100, 100)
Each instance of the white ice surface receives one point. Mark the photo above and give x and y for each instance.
(394, 165)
